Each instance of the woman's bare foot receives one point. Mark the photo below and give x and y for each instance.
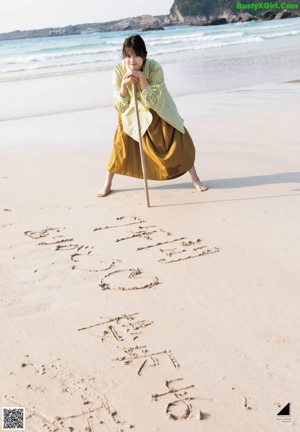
(196, 181)
(199, 187)
(104, 192)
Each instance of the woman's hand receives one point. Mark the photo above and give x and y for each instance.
(140, 77)
(127, 78)
(136, 73)
(134, 77)
(130, 77)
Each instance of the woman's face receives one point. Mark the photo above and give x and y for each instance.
(133, 61)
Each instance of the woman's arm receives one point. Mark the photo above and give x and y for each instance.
(121, 98)
(152, 89)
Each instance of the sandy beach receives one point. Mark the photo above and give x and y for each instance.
(180, 317)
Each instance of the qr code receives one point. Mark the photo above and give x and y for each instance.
(13, 418)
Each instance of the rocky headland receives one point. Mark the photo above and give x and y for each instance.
(182, 12)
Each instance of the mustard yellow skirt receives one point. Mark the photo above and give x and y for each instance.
(168, 152)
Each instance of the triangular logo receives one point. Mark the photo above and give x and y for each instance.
(285, 411)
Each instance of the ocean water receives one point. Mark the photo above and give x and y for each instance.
(212, 54)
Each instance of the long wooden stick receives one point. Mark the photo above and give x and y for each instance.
(141, 145)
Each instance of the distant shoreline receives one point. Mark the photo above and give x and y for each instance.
(146, 23)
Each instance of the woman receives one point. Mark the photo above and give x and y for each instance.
(168, 147)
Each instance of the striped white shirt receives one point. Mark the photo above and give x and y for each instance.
(155, 96)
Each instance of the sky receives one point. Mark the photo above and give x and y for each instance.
(36, 14)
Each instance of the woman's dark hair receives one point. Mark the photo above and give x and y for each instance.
(137, 44)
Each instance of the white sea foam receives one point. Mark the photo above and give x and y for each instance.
(76, 52)
(291, 33)
(57, 65)
(194, 38)
(205, 46)
(264, 27)
(54, 56)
